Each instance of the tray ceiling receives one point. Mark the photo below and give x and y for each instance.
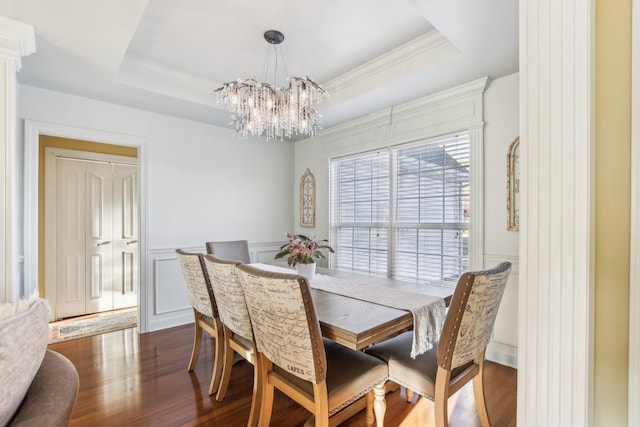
(165, 55)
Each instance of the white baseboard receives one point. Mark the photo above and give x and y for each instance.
(177, 318)
(503, 354)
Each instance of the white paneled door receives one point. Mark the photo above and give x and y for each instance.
(96, 236)
(125, 243)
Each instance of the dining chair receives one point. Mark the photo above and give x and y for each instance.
(205, 311)
(322, 376)
(234, 316)
(458, 357)
(233, 250)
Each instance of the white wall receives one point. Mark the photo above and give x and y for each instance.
(500, 117)
(202, 183)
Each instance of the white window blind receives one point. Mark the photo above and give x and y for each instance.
(403, 212)
(360, 211)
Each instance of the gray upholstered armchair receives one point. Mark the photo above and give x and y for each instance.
(233, 250)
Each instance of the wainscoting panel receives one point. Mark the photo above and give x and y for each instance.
(264, 252)
(169, 287)
(168, 300)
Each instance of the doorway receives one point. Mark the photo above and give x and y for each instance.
(91, 231)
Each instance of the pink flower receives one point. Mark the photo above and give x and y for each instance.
(302, 249)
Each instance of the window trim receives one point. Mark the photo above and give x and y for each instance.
(476, 187)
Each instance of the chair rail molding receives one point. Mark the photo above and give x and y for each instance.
(555, 325)
(634, 272)
(16, 40)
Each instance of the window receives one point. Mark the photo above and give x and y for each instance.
(403, 212)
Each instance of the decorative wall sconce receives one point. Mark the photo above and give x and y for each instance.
(307, 200)
(513, 186)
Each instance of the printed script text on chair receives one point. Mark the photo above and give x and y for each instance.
(204, 310)
(234, 315)
(322, 376)
(233, 250)
(459, 355)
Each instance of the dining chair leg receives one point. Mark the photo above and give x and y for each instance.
(218, 355)
(379, 403)
(321, 404)
(442, 397)
(369, 418)
(256, 397)
(409, 393)
(266, 408)
(478, 392)
(227, 365)
(197, 339)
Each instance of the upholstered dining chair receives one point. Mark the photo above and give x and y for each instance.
(205, 312)
(458, 357)
(234, 316)
(322, 376)
(233, 250)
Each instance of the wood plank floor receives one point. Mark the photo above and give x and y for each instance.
(128, 379)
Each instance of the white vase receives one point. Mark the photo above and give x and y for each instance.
(306, 270)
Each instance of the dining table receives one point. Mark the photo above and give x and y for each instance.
(358, 321)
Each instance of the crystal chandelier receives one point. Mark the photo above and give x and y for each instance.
(261, 108)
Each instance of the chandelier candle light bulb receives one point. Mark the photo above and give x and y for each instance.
(276, 112)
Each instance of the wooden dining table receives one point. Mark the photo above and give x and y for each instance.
(356, 323)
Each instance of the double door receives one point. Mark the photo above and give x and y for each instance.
(96, 237)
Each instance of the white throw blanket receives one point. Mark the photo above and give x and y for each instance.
(428, 311)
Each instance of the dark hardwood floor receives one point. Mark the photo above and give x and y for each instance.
(128, 379)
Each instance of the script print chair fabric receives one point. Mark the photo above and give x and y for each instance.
(322, 376)
(234, 316)
(458, 357)
(205, 311)
(233, 250)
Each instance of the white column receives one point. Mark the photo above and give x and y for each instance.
(16, 40)
(555, 331)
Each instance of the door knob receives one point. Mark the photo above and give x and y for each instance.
(132, 242)
(103, 243)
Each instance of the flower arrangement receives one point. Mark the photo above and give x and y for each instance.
(302, 249)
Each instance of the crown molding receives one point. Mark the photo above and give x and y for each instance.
(461, 104)
(463, 91)
(413, 57)
(17, 39)
(152, 77)
(415, 49)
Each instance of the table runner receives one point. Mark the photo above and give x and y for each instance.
(428, 311)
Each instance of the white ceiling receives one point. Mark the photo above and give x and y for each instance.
(165, 55)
